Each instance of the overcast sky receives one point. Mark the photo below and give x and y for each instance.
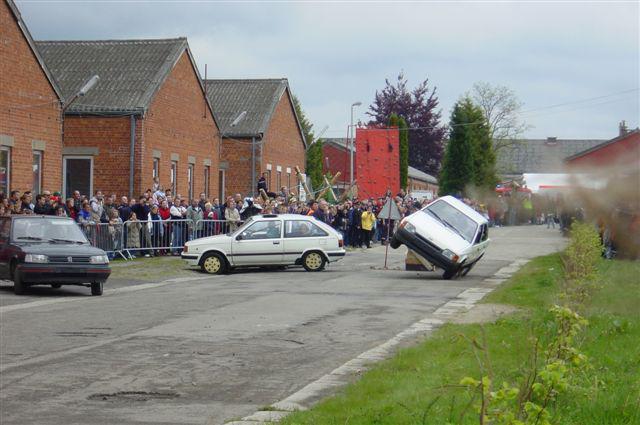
(583, 55)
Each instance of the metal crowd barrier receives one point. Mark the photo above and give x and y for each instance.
(151, 237)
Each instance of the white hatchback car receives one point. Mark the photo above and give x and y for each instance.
(268, 240)
(448, 233)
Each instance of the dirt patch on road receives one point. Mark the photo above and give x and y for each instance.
(484, 313)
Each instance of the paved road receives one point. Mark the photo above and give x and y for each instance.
(208, 349)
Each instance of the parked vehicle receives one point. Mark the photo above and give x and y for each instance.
(46, 250)
(448, 233)
(268, 240)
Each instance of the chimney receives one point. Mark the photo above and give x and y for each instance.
(551, 141)
(622, 128)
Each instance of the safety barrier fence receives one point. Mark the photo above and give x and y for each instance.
(151, 237)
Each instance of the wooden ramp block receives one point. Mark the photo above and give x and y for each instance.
(416, 262)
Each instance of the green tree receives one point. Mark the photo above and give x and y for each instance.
(404, 153)
(313, 159)
(397, 121)
(469, 157)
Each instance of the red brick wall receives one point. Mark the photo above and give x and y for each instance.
(338, 160)
(378, 162)
(176, 123)
(282, 144)
(111, 136)
(237, 154)
(622, 153)
(29, 108)
(415, 184)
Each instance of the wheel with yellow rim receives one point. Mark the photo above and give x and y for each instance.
(213, 263)
(313, 261)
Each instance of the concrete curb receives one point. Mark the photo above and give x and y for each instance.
(306, 397)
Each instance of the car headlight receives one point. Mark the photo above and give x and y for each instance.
(36, 258)
(451, 255)
(99, 259)
(409, 227)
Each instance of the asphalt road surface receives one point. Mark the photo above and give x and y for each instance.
(207, 349)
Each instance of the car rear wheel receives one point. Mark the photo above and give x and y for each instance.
(97, 288)
(395, 243)
(214, 264)
(313, 261)
(19, 287)
(466, 270)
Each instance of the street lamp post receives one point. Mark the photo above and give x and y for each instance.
(351, 144)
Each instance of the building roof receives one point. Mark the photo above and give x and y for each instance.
(602, 145)
(539, 155)
(34, 49)
(339, 142)
(131, 71)
(259, 97)
(414, 173)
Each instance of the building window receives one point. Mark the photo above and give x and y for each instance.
(174, 177)
(269, 187)
(77, 172)
(207, 176)
(5, 169)
(278, 180)
(37, 172)
(190, 181)
(156, 168)
(289, 181)
(221, 182)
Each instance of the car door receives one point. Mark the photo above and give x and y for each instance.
(301, 235)
(5, 252)
(258, 244)
(480, 243)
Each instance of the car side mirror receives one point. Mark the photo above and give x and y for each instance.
(239, 237)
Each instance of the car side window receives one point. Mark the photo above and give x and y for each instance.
(302, 229)
(483, 234)
(263, 230)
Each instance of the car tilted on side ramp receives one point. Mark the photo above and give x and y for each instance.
(448, 233)
(268, 240)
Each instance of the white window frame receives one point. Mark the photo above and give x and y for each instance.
(207, 180)
(8, 150)
(66, 195)
(40, 154)
(155, 172)
(173, 178)
(190, 171)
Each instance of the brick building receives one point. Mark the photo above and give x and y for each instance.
(336, 157)
(259, 126)
(420, 181)
(621, 153)
(147, 116)
(377, 165)
(30, 111)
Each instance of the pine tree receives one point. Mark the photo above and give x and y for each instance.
(469, 157)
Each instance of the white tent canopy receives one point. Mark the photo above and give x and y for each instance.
(538, 182)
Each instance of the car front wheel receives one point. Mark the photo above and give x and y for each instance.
(213, 264)
(97, 288)
(395, 243)
(19, 286)
(448, 274)
(313, 261)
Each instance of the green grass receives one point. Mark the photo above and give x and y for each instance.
(420, 384)
(150, 269)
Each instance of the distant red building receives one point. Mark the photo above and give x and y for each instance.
(377, 165)
(335, 157)
(622, 152)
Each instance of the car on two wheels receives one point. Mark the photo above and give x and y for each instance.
(447, 233)
(46, 250)
(265, 241)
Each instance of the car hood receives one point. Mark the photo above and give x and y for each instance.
(60, 249)
(212, 240)
(437, 233)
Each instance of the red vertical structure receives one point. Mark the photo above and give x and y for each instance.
(377, 165)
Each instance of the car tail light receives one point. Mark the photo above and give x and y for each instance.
(340, 243)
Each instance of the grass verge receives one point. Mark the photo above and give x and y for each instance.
(420, 384)
(150, 269)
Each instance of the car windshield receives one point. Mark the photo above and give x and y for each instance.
(243, 226)
(453, 218)
(47, 230)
